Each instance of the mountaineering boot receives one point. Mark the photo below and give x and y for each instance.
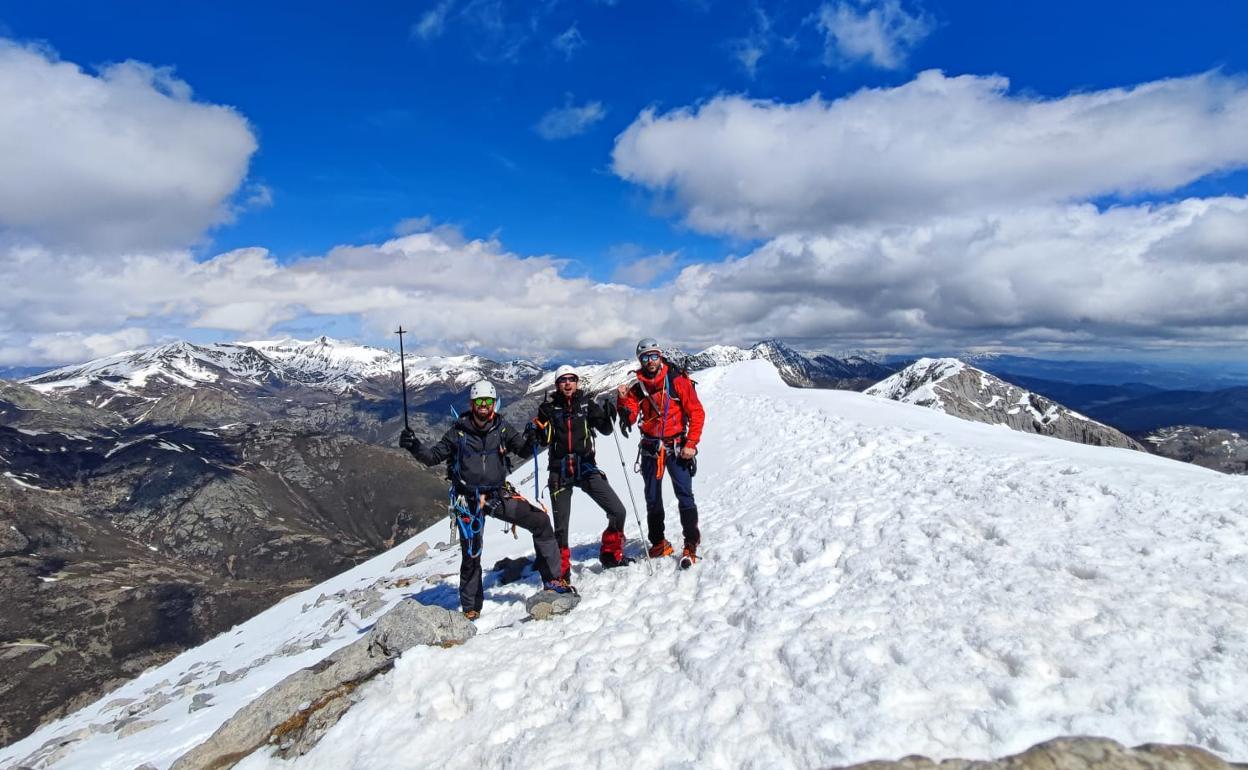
(565, 562)
(472, 614)
(661, 549)
(559, 586)
(610, 561)
(689, 556)
(612, 552)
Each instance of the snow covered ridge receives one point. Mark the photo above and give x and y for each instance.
(953, 387)
(852, 372)
(323, 363)
(877, 581)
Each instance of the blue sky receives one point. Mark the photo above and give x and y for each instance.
(440, 114)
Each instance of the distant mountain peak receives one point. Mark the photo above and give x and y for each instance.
(954, 387)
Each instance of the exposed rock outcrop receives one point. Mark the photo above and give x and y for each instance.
(1221, 450)
(545, 604)
(1073, 753)
(951, 386)
(293, 715)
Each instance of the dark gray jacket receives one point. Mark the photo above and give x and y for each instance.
(476, 458)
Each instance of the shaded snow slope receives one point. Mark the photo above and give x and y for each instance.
(879, 580)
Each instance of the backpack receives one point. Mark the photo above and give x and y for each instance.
(673, 371)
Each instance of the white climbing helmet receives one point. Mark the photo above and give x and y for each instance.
(565, 371)
(482, 389)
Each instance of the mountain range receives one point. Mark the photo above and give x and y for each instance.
(879, 580)
(207, 481)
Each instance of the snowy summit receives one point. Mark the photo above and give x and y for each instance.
(878, 580)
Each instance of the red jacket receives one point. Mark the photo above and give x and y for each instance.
(684, 409)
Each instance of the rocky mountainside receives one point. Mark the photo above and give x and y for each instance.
(1221, 450)
(953, 387)
(121, 544)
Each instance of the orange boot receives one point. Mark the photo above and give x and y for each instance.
(689, 556)
(660, 549)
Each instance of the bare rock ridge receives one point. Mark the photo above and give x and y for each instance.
(1073, 753)
(951, 386)
(124, 544)
(292, 716)
(1221, 450)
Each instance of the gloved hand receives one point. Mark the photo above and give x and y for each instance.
(608, 406)
(545, 411)
(624, 426)
(407, 440)
(530, 435)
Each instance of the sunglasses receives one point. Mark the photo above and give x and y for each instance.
(568, 378)
(483, 402)
(648, 357)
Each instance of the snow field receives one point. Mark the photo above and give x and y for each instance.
(868, 590)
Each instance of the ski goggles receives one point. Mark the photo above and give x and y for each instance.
(483, 401)
(567, 378)
(646, 358)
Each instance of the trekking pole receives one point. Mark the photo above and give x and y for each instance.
(403, 371)
(633, 500)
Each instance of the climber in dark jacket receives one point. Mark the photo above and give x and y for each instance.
(475, 451)
(566, 422)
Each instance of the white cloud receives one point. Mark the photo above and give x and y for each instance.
(437, 282)
(750, 49)
(120, 160)
(937, 145)
(1045, 276)
(1033, 275)
(433, 22)
(259, 196)
(880, 32)
(569, 42)
(413, 225)
(569, 120)
(73, 347)
(636, 270)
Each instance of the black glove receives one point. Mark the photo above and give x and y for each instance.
(608, 406)
(407, 440)
(530, 434)
(545, 411)
(624, 426)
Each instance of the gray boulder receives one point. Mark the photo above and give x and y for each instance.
(1073, 753)
(545, 604)
(294, 714)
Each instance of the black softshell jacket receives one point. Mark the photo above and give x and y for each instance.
(568, 428)
(476, 458)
